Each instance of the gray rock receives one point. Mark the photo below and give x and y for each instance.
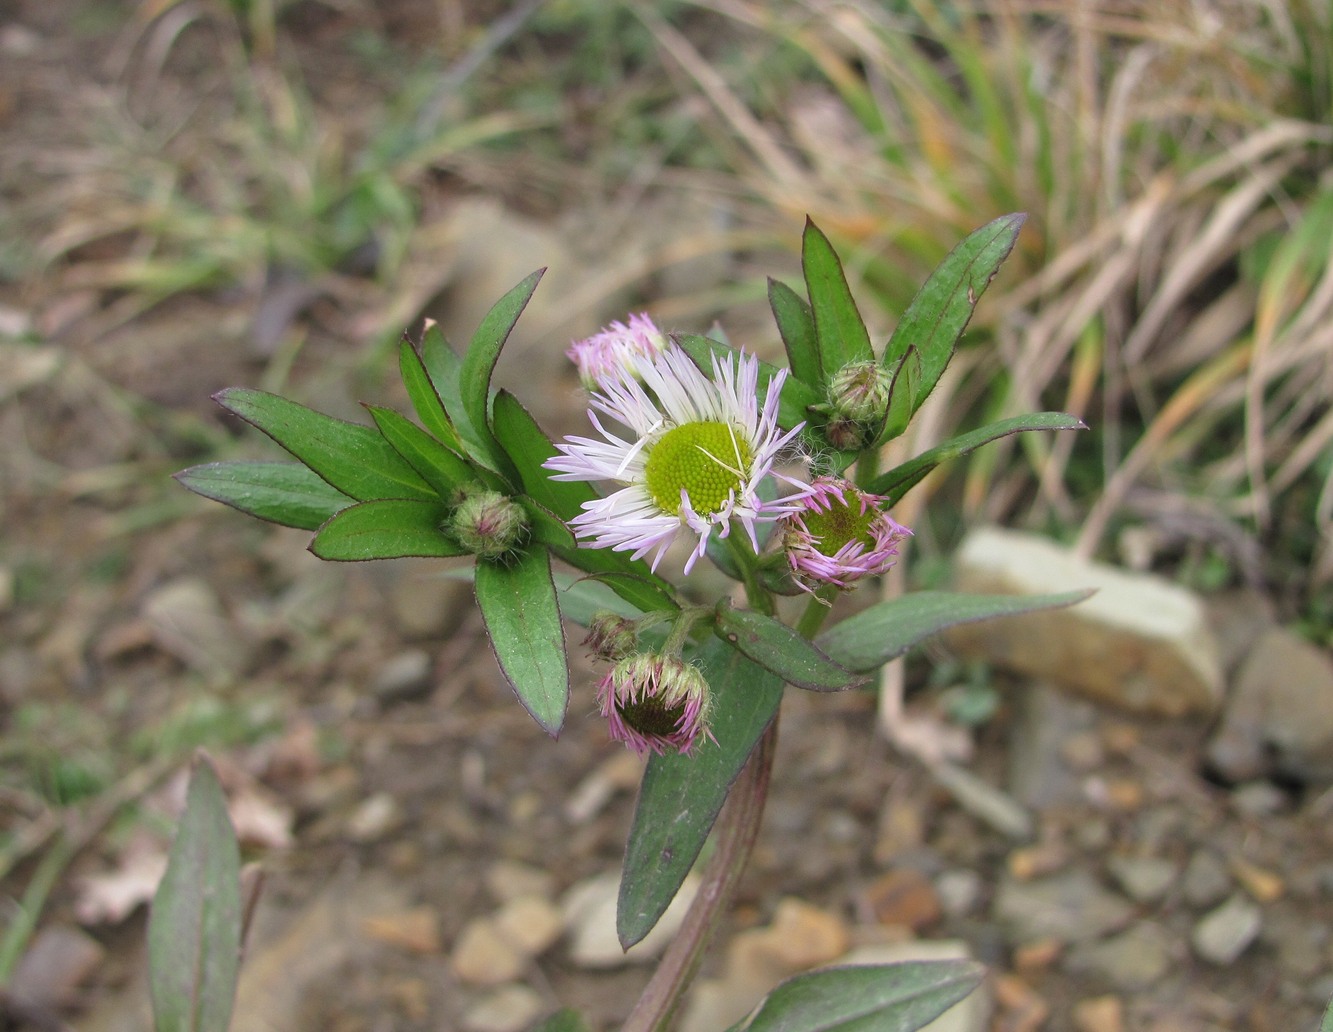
(509, 1008)
(1131, 961)
(1223, 934)
(1045, 719)
(1141, 642)
(1279, 718)
(1071, 907)
(405, 676)
(1206, 880)
(1144, 879)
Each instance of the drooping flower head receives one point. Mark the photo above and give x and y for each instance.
(655, 702)
(839, 535)
(699, 450)
(609, 352)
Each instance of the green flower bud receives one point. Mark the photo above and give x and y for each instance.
(610, 637)
(488, 524)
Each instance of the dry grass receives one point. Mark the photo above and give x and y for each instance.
(1173, 285)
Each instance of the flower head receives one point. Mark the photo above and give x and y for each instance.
(699, 450)
(609, 352)
(488, 524)
(839, 535)
(655, 702)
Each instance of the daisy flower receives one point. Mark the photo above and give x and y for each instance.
(655, 702)
(838, 535)
(698, 451)
(609, 352)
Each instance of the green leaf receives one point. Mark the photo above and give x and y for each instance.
(565, 1020)
(796, 397)
(194, 931)
(445, 369)
(280, 492)
(424, 397)
(896, 482)
(839, 329)
(387, 529)
(1327, 1024)
(544, 525)
(681, 795)
(796, 325)
(528, 447)
(442, 469)
(777, 648)
(474, 377)
(869, 998)
(888, 629)
(518, 604)
(355, 459)
(942, 307)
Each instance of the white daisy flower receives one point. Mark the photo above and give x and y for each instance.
(699, 451)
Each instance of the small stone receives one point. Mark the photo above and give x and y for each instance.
(532, 924)
(801, 936)
(59, 959)
(509, 879)
(984, 802)
(375, 818)
(484, 956)
(1083, 752)
(1033, 957)
(1258, 799)
(510, 1008)
(959, 891)
(1024, 1008)
(1045, 719)
(1036, 861)
(1099, 1014)
(188, 622)
(405, 677)
(1222, 935)
(426, 607)
(589, 911)
(1132, 960)
(621, 773)
(416, 929)
(1070, 907)
(904, 897)
(1206, 880)
(902, 828)
(1263, 885)
(1144, 879)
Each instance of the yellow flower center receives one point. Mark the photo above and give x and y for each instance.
(842, 523)
(708, 460)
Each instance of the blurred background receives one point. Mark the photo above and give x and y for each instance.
(206, 193)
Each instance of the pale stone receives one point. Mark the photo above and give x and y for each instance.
(510, 879)
(1140, 642)
(589, 910)
(483, 955)
(510, 1008)
(1222, 935)
(188, 622)
(532, 924)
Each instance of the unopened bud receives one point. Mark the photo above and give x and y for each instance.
(610, 637)
(860, 392)
(488, 524)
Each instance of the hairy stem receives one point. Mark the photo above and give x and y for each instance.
(736, 829)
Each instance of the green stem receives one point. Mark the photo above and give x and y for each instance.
(816, 611)
(760, 600)
(736, 829)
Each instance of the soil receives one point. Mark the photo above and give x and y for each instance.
(284, 674)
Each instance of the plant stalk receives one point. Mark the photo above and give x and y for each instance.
(737, 828)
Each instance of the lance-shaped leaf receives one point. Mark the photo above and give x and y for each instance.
(1327, 1024)
(870, 998)
(544, 526)
(387, 529)
(940, 312)
(839, 329)
(425, 399)
(796, 396)
(681, 795)
(780, 650)
(355, 459)
(194, 932)
(444, 470)
(888, 629)
(444, 369)
(281, 492)
(561, 1021)
(796, 326)
(518, 603)
(896, 482)
(474, 376)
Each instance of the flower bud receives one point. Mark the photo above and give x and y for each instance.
(488, 524)
(858, 400)
(610, 637)
(655, 702)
